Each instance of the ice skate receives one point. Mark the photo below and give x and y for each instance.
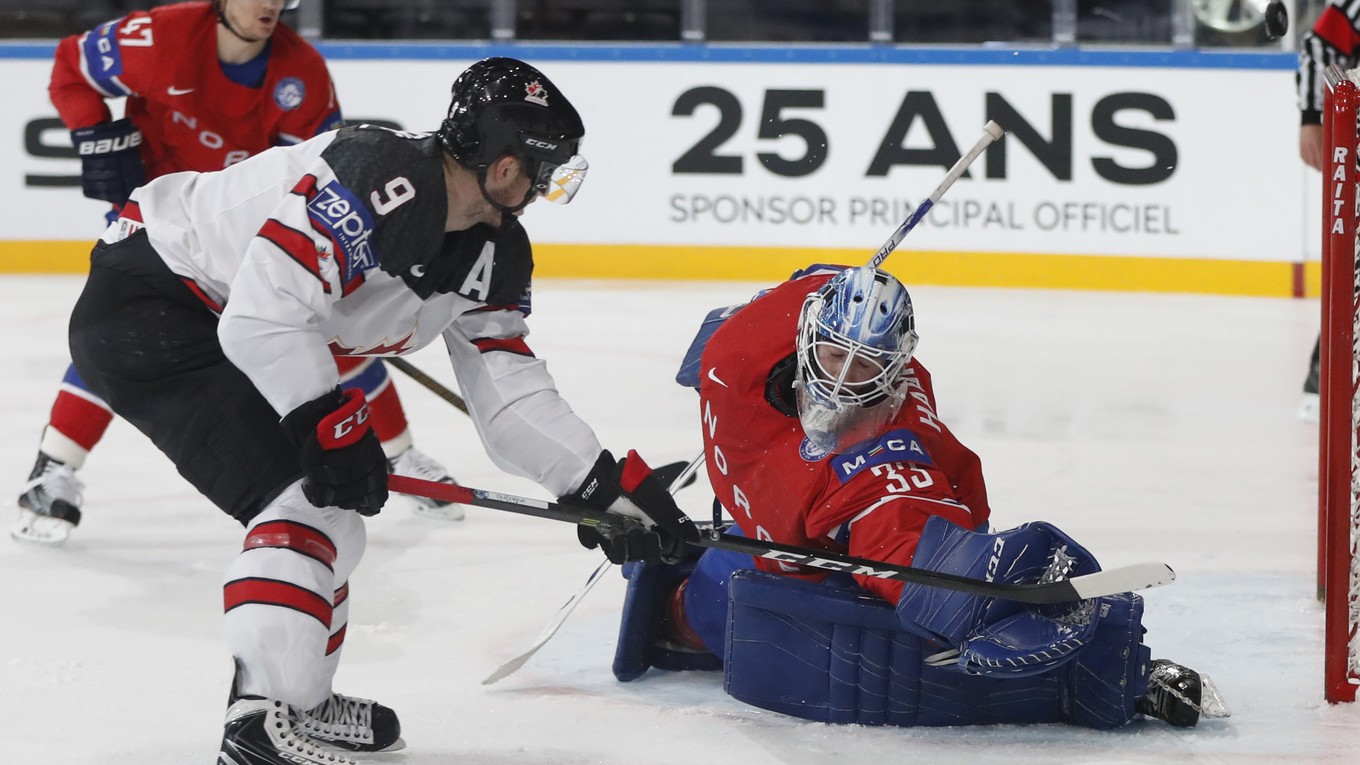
(359, 725)
(417, 464)
(267, 732)
(49, 507)
(1180, 695)
(1310, 409)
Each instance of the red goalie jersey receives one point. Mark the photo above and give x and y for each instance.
(192, 117)
(871, 501)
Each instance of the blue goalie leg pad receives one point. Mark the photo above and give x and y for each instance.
(818, 652)
(1111, 672)
(837, 654)
(641, 644)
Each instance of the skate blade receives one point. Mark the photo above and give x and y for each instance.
(1211, 703)
(44, 530)
(1310, 410)
(452, 512)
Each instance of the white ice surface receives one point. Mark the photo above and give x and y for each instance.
(1150, 427)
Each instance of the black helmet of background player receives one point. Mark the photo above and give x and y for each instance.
(504, 106)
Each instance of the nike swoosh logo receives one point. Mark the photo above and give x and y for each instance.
(174, 91)
(714, 377)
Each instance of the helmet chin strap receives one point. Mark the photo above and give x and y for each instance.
(221, 6)
(506, 212)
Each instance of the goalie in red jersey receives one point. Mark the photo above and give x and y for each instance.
(186, 109)
(820, 430)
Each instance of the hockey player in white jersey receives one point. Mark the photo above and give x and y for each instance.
(209, 320)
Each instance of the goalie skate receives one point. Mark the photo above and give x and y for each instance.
(417, 464)
(1180, 695)
(359, 725)
(265, 732)
(49, 507)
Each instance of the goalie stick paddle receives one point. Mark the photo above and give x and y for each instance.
(990, 132)
(1109, 582)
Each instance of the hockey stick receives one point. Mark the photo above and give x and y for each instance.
(682, 479)
(429, 382)
(513, 665)
(1124, 579)
(990, 132)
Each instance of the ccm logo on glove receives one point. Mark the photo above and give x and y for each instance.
(347, 426)
(342, 460)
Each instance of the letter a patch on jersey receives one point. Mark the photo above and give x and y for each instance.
(336, 212)
(900, 445)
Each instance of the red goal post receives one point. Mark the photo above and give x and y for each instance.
(1339, 428)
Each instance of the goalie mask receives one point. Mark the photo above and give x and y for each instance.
(504, 106)
(855, 337)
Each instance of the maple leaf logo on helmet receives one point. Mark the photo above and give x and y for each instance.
(536, 93)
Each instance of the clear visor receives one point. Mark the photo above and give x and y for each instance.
(291, 5)
(835, 428)
(558, 183)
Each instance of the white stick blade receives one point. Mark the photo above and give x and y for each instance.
(994, 130)
(512, 666)
(1139, 576)
(509, 668)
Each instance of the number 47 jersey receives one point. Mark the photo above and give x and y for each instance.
(191, 114)
(337, 246)
(871, 501)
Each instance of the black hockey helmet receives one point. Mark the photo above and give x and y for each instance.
(504, 106)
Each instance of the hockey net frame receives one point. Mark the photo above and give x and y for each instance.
(1339, 399)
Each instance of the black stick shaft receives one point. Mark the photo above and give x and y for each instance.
(1092, 585)
(410, 370)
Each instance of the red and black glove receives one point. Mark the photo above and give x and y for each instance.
(341, 456)
(650, 527)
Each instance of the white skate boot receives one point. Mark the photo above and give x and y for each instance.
(417, 464)
(49, 507)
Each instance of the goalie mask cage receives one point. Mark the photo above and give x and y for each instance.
(1339, 428)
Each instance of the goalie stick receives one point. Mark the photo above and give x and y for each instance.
(1138, 576)
(990, 132)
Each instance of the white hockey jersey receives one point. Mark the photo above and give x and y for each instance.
(337, 246)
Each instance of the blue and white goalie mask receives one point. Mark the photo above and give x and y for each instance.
(855, 337)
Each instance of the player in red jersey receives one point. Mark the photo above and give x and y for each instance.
(186, 111)
(779, 483)
(265, 87)
(820, 430)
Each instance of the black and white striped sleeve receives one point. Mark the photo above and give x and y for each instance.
(1334, 39)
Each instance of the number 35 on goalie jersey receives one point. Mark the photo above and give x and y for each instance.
(887, 489)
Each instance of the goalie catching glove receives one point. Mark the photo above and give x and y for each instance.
(342, 459)
(649, 527)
